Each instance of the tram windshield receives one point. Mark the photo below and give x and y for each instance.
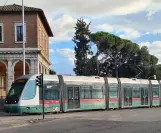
(16, 89)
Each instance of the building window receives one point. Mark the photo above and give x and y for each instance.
(1, 33)
(19, 32)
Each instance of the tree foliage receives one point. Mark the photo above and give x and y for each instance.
(143, 65)
(52, 72)
(82, 48)
(158, 72)
(114, 57)
(114, 50)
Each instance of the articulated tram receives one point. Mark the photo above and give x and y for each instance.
(74, 93)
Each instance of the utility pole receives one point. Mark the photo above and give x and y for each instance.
(23, 37)
(42, 86)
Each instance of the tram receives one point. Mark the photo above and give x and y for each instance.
(76, 93)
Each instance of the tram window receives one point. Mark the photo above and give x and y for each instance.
(16, 90)
(155, 91)
(97, 92)
(76, 92)
(51, 92)
(86, 92)
(70, 92)
(30, 90)
(136, 93)
(113, 93)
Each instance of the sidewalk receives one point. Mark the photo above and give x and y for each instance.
(9, 120)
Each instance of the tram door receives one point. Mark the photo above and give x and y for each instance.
(127, 96)
(73, 98)
(144, 96)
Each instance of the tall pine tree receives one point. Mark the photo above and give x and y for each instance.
(82, 48)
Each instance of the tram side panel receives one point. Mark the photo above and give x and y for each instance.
(135, 93)
(113, 88)
(128, 86)
(83, 93)
(155, 92)
(51, 94)
(95, 98)
(84, 97)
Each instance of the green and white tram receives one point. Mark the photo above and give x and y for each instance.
(71, 93)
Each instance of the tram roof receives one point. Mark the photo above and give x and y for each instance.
(134, 81)
(91, 79)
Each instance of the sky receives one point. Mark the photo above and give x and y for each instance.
(137, 20)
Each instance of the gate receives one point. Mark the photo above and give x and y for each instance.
(2, 89)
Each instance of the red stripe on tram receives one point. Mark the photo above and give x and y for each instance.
(136, 99)
(113, 99)
(50, 102)
(66, 101)
(91, 100)
(156, 98)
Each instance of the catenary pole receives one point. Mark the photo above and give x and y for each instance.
(23, 37)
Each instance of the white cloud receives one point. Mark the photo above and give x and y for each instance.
(51, 50)
(154, 48)
(156, 31)
(147, 33)
(126, 32)
(105, 27)
(150, 13)
(67, 53)
(93, 7)
(62, 27)
(131, 34)
(132, 7)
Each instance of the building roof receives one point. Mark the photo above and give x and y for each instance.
(18, 8)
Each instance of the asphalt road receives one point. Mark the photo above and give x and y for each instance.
(120, 121)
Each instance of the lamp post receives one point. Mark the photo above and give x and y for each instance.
(23, 38)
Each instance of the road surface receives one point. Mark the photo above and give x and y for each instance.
(120, 121)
